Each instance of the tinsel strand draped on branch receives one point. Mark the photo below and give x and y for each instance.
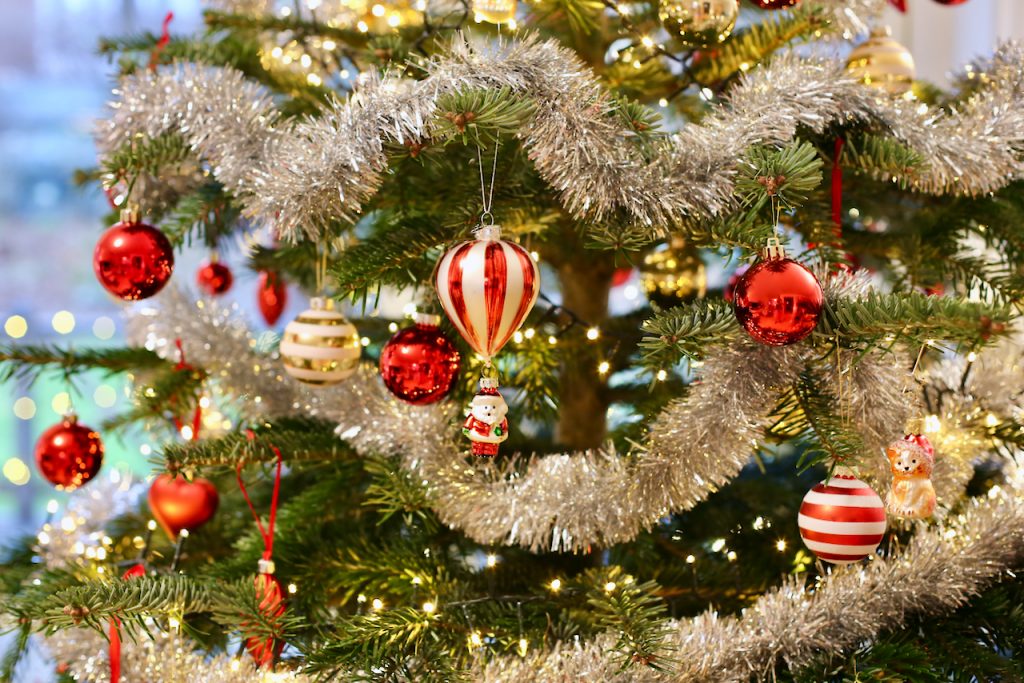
(301, 177)
(570, 501)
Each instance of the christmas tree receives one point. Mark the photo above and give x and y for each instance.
(578, 461)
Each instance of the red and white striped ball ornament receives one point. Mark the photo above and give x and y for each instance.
(842, 520)
(487, 287)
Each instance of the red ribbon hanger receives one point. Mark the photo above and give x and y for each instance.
(165, 37)
(197, 416)
(266, 532)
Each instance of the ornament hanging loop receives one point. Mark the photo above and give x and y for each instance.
(487, 195)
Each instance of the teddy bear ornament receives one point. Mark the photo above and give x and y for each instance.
(912, 495)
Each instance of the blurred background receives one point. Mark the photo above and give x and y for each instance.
(52, 88)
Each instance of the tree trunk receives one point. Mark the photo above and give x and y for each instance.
(585, 277)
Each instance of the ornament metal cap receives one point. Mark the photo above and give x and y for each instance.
(266, 566)
(488, 233)
(489, 385)
(773, 249)
(428, 319)
(321, 303)
(130, 215)
(843, 472)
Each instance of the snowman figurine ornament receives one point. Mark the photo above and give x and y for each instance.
(486, 425)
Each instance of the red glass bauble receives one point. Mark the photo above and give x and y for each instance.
(778, 301)
(214, 278)
(69, 454)
(133, 260)
(181, 504)
(774, 4)
(272, 296)
(419, 364)
(271, 606)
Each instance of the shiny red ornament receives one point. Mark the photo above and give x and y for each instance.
(272, 607)
(774, 4)
(69, 454)
(419, 364)
(214, 278)
(133, 260)
(778, 301)
(272, 296)
(179, 504)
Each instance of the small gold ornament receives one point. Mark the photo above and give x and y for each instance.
(883, 63)
(700, 23)
(320, 346)
(494, 11)
(674, 274)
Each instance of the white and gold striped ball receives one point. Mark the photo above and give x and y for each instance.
(321, 346)
(842, 520)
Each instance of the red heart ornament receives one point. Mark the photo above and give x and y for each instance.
(181, 504)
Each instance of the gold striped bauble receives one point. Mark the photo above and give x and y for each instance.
(883, 63)
(320, 346)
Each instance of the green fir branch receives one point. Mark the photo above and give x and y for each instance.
(27, 362)
(298, 439)
(686, 331)
(207, 213)
(830, 436)
(635, 613)
(778, 176)
(882, 157)
(404, 640)
(393, 490)
(95, 602)
(480, 116)
(151, 156)
(753, 45)
(401, 253)
(244, 606)
(913, 318)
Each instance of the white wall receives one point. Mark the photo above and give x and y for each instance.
(944, 38)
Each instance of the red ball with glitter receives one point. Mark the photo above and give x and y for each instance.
(778, 301)
(214, 278)
(69, 454)
(419, 364)
(272, 296)
(133, 260)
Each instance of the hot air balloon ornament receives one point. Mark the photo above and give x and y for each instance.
(487, 286)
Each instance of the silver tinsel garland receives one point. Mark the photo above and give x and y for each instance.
(568, 501)
(301, 177)
(941, 569)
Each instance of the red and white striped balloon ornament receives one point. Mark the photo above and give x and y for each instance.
(842, 520)
(487, 286)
